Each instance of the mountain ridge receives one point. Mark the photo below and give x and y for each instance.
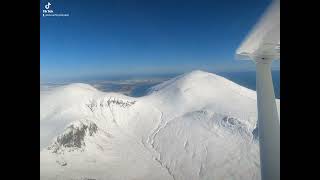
(195, 126)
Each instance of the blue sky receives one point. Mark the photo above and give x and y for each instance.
(111, 37)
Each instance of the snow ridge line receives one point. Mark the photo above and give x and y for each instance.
(165, 167)
(151, 137)
(150, 140)
(202, 166)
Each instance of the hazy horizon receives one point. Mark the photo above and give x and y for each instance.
(138, 85)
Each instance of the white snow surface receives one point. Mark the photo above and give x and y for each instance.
(196, 126)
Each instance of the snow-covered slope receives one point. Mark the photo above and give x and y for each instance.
(195, 126)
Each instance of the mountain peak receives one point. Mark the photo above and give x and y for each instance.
(79, 87)
(199, 81)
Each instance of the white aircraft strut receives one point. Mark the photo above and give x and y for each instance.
(263, 46)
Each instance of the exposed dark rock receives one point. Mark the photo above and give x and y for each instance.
(92, 128)
(255, 133)
(231, 121)
(73, 136)
(235, 125)
(62, 163)
(92, 105)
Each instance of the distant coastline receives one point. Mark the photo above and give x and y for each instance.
(138, 85)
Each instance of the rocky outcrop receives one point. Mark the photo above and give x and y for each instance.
(73, 137)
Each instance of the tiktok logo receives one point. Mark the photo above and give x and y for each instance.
(48, 5)
(48, 11)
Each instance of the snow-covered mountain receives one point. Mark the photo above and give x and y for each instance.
(195, 126)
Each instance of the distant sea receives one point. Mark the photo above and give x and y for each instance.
(246, 79)
(138, 86)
